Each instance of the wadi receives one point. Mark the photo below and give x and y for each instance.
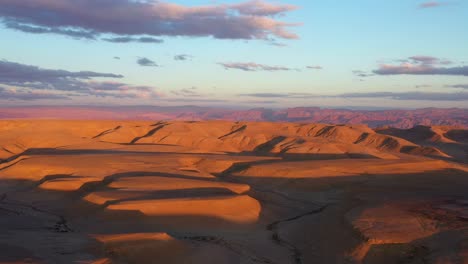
(231, 192)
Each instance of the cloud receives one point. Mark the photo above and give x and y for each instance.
(132, 39)
(431, 4)
(262, 8)
(199, 100)
(416, 96)
(182, 57)
(31, 82)
(29, 28)
(282, 95)
(362, 74)
(13, 94)
(274, 42)
(412, 69)
(315, 67)
(429, 60)
(266, 95)
(16, 74)
(146, 62)
(187, 92)
(118, 20)
(121, 90)
(252, 66)
(422, 86)
(422, 65)
(461, 86)
(262, 102)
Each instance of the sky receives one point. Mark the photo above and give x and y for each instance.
(255, 53)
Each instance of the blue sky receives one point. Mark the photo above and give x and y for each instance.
(335, 38)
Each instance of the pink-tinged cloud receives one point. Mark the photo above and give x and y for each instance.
(429, 60)
(431, 4)
(412, 69)
(141, 21)
(252, 66)
(422, 65)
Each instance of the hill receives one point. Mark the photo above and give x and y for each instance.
(231, 192)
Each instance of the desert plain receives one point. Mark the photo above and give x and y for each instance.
(231, 192)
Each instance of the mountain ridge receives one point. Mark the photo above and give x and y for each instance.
(403, 119)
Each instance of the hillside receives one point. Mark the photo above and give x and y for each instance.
(231, 192)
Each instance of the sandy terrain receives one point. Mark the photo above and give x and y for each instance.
(231, 192)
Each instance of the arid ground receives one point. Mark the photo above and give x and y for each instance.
(231, 192)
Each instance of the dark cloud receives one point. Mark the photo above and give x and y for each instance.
(34, 29)
(461, 86)
(90, 19)
(182, 57)
(315, 67)
(132, 39)
(117, 58)
(31, 82)
(422, 65)
(252, 66)
(146, 62)
(16, 74)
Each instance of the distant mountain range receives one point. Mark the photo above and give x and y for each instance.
(372, 118)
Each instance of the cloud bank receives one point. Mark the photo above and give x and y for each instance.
(144, 21)
(422, 65)
(27, 82)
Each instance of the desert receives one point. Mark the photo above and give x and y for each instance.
(233, 132)
(231, 192)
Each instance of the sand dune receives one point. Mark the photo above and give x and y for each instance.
(231, 192)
